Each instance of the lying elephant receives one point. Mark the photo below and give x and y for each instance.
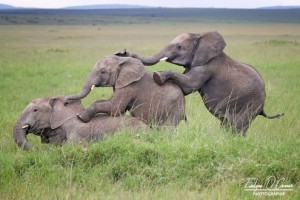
(232, 91)
(134, 90)
(58, 124)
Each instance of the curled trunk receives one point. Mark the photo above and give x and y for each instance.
(20, 137)
(83, 93)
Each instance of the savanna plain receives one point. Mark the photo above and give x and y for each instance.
(196, 160)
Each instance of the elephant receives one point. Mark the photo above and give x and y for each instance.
(57, 123)
(134, 91)
(232, 91)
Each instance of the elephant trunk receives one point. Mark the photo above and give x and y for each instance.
(88, 86)
(20, 136)
(151, 60)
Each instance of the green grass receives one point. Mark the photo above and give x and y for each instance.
(197, 160)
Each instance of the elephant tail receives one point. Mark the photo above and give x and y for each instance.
(270, 116)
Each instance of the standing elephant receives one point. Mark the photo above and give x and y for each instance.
(56, 123)
(134, 90)
(232, 91)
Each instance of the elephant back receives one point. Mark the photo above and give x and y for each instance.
(159, 105)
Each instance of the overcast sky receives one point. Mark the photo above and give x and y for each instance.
(156, 3)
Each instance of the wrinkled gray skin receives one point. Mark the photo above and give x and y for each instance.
(134, 90)
(232, 91)
(56, 123)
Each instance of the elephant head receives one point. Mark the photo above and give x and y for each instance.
(42, 117)
(187, 50)
(112, 71)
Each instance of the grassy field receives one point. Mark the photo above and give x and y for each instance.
(197, 160)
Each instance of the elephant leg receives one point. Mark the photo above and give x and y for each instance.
(225, 124)
(161, 77)
(189, 82)
(90, 111)
(241, 127)
(44, 139)
(234, 126)
(241, 121)
(87, 114)
(115, 106)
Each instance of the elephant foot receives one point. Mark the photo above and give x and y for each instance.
(159, 78)
(84, 117)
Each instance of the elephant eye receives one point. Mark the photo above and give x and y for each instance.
(102, 71)
(35, 110)
(179, 47)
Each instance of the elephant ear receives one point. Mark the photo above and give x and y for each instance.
(210, 45)
(62, 113)
(129, 71)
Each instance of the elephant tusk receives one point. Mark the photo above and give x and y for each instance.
(25, 126)
(164, 59)
(93, 86)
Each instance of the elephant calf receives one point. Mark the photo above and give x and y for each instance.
(232, 91)
(56, 123)
(134, 90)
